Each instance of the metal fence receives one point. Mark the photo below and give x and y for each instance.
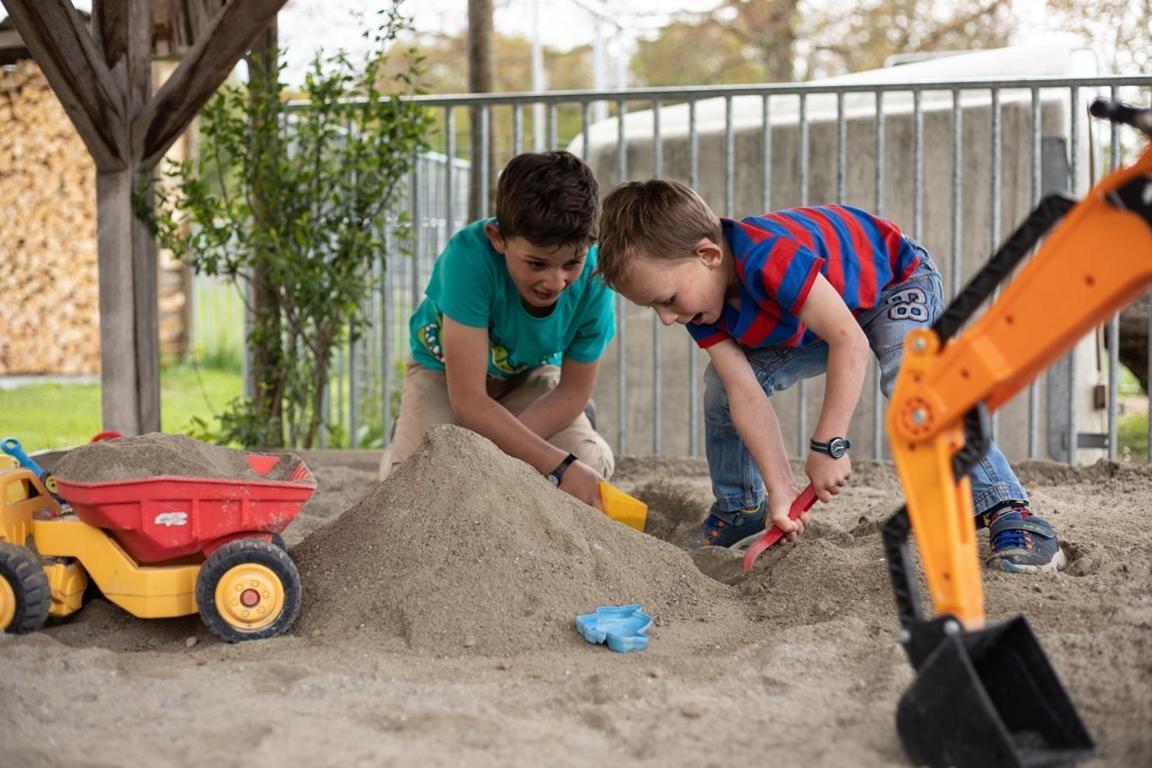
(936, 157)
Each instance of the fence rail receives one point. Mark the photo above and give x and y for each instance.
(956, 163)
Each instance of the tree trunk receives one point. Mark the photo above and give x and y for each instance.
(1134, 339)
(265, 344)
(479, 81)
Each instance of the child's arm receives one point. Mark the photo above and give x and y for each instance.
(466, 368)
(826, 314)
(755, 420)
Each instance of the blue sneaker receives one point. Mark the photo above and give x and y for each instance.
(1021, 542)
(723, 529)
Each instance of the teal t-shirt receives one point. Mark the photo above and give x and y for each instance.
(470, 283)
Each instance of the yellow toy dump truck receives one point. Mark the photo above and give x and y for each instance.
(157, 547)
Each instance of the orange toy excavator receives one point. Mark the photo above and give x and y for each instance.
(987, 696)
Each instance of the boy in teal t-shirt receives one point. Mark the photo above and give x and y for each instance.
(508, 339)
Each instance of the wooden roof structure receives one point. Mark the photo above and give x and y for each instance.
(101, 72)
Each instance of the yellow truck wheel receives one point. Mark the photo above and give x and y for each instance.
(248, 590)
(24, 593)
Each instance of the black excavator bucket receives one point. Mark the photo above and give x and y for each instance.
(989, 698)
(985, 698)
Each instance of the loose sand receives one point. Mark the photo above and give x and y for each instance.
(437, 630)
(157, 454)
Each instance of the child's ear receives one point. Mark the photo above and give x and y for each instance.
(494, 237)
(709, 252)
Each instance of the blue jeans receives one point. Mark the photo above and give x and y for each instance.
(915, 303)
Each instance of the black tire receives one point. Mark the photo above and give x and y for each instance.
(278, 541)
(248, 570)
(24, 594)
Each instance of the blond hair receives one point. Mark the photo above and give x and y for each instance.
(658, 219)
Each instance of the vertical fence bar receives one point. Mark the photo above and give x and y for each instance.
(729, 159)
(485, 163)
(353, 394)
(766, 152)
(801, 389)
(1033, 388)
(517, 128)
(878, 204)
(386, 308)
(1114, 322)
(585, 121)
(957, 192)
(996, 199)
(1074, 184)
(621, 304)
(841, 149)
(414, 201)
(657, 353)
(693, 365)
(918, 165)
(553, 118)
(449, 156)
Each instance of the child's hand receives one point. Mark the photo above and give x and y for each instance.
(583, 482)
(779, 505)
(828, 475)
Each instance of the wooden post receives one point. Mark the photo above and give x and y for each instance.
(103, 81)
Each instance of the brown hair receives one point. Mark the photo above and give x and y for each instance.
(663, 220)
(547, 198)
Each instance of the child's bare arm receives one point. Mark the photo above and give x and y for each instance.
(559, 407)
(466, 369)
(826, 314)
(755, 420)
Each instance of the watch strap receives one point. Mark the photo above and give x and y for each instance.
(557, 474)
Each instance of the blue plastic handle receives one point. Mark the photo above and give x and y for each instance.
(11, 446)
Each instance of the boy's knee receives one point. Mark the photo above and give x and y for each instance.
(594, 452)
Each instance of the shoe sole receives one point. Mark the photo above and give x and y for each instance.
(1055, 565)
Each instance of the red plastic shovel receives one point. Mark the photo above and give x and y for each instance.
(801, 505)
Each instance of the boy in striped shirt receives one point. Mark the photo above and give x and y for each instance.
(777, 298)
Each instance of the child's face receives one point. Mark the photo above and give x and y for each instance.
(540, 273)
(682, 291)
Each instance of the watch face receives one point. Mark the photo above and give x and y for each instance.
(837, 447)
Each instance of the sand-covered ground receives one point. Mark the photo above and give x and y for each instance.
(437, 630)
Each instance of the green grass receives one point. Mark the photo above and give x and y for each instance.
(43, 416)
(1132, 435)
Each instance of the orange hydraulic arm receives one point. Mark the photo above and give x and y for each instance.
(1096, 260)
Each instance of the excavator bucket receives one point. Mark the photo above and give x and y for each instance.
(989, 698)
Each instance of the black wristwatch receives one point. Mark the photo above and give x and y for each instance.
(556, 475)
(836, 447)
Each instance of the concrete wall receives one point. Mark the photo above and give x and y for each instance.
(976, 237)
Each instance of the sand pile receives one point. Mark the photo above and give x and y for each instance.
(157, 454)
(467, 550)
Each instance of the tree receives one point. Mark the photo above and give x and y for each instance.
(782, 40)
(303, 199)
(1119, 32)
(479, 81)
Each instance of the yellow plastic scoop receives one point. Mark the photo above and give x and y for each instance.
(623, 508)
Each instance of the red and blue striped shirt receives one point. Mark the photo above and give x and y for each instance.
(777, 258)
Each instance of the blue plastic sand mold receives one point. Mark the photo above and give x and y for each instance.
(622, 626)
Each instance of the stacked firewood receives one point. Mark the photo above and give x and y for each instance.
(49, 284)
(49, 295)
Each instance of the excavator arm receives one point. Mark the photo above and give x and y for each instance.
(987, 695)
(1097, 259)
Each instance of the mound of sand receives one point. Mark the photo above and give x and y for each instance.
(158, 454)
(467, 550)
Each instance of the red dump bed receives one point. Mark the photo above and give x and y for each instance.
(162, 518)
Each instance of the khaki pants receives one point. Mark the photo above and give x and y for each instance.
(424, 403)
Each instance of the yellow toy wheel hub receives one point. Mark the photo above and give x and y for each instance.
(7, 604)
(249, 596)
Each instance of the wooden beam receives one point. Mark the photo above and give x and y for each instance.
(55, 35)
(129, 330)
(235, 28)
